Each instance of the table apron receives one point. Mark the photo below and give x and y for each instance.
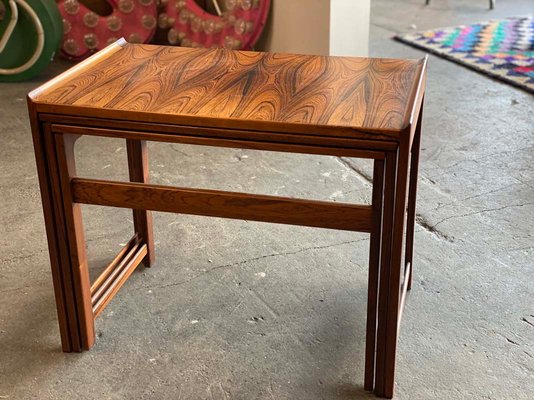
(304, 144)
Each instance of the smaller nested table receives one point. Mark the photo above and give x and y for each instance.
(352, 107)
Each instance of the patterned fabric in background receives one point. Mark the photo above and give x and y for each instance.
(503, 49)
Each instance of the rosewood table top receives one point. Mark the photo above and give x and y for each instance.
(218, 88)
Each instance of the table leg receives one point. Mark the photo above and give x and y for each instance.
(139, 172)
(374, 266)
(414, 173)
(390, 273)
(385, 268)
(56, 241)
(77, 259)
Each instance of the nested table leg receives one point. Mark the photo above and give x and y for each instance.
(374, 266)
(385, 271)
(69, 229)
(391, 269)
(412, 195)
(139, 172)
(56, 242)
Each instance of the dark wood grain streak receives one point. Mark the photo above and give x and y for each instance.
(225, 89)
(223, 204)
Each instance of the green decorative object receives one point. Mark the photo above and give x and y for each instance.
(30, 35)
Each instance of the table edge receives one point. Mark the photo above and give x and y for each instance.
(78, 68)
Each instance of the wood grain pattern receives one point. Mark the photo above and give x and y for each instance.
(233, 89)
(216, 203)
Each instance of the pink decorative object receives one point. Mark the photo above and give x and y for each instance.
(239, 27)
(86, 32)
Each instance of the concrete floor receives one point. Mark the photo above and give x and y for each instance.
(237, 310)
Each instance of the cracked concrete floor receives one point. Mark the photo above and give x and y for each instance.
(237, 310)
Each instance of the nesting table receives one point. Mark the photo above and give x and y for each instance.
(332, 106)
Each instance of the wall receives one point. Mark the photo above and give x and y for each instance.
(349, 27)
(297, 26)
(325, 27)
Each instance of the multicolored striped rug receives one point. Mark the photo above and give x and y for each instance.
(503, 49)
